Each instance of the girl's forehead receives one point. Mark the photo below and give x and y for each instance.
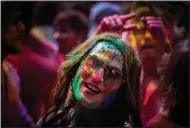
(105, 48)
(107, 52)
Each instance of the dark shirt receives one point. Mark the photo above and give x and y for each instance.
(84, 118)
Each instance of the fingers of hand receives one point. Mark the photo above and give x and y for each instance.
(152, 22)
(127, 17)
(150, 18)
(103, 26)
(112, 22)
(105, 21)
(118, 20)
(155, 25)
(129, 27)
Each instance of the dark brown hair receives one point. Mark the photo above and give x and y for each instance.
(129, 91)
(174, 85)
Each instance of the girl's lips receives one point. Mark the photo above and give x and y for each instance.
(92, 88)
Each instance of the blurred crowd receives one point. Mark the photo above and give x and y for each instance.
(37, 36)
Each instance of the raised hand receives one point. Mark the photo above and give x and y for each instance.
(115, 23)
(156, 27)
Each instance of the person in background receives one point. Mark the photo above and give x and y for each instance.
(69, 29)
(174, 90)
(37, 68)
(13, 34)
(99, 11)
(37, 65)
(151, 41)
(175, 78)
(144, 31)
(98, 85)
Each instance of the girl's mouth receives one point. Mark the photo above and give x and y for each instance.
(92, 88)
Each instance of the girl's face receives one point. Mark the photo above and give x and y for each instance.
(99, 76)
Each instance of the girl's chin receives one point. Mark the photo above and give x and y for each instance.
(90, 105)
(90, 99)
(88, 102)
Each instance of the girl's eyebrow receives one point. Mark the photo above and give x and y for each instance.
(105, 64)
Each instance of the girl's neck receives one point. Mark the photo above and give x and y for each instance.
(85, 116)
(101, 117)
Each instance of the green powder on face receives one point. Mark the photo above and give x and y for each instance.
(76, 84)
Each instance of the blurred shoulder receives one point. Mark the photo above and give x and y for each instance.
(57, 119)
(160, 121)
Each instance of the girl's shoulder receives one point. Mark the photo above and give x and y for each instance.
(61, 118)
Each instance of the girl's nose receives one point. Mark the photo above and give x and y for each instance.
(97, 77)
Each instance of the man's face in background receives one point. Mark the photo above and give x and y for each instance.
(15, 37)
(142, 39)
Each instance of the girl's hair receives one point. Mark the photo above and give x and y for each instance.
(63, 91)
(174, 84)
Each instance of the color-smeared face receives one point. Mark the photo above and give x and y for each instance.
(143, 39)
(149, 50)
(99, 76)
(142, 35)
